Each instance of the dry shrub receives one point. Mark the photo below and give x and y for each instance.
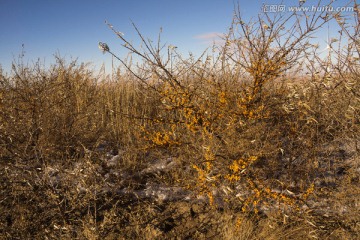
(238, 120)
(265, 150)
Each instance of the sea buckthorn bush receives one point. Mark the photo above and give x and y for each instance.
(241, 117)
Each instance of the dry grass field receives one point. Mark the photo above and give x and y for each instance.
(259, 138)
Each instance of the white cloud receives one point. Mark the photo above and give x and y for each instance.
(210, 38)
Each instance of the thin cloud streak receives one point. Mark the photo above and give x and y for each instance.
(211, 38)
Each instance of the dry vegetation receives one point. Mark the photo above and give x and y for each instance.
(257, 139)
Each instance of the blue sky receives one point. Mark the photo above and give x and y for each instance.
(74, 28)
